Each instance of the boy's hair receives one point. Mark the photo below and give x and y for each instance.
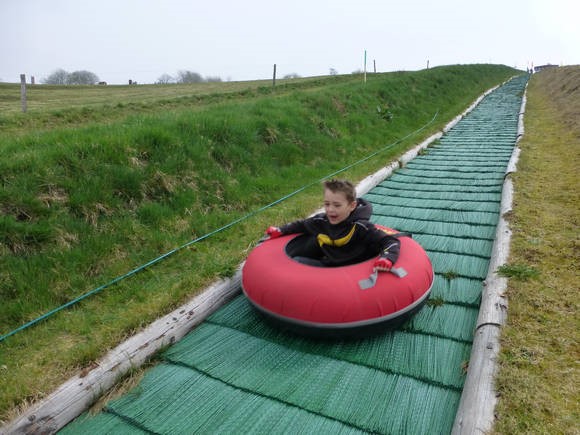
(343, 186)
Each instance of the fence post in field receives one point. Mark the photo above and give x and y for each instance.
(23, 91)
(365, 67)
(274, 77)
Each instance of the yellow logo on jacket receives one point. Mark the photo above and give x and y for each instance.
(324, 239)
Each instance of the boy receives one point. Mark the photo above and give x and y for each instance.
(342, 234)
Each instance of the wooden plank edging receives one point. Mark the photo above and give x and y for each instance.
(475, 414)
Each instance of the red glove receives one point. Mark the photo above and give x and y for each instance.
(383, 264)
(274, 232)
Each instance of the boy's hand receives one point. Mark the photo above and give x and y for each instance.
(273, 232)
(383, 264)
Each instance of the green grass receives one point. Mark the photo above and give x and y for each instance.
(538, 378)
(91, 195)
(520, 272)
(50, 106)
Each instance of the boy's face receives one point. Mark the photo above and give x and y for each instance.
(336, 206)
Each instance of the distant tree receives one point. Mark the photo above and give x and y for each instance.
(333, 72)
(292, 76)
(57, 77)
(213, 79)
(82, 78)
(165, 79)
(189, 77)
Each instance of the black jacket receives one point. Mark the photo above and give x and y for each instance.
(353, 240)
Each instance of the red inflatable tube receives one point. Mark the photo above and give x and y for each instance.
(335, 301)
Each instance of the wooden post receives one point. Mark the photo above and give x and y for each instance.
(375, 65)
(274, 76)
(23, 92)
(365, 67)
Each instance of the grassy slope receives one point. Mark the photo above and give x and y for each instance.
(538, 379)
(89, 198)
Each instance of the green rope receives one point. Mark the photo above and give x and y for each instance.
(201, 238)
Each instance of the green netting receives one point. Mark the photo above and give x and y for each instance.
(468, 157)
(403, 176)
(105, 423)
(275, 388)
(475, 153)
(237, 374)
(174, 399)
(439, 328)
(440, 215)
(416, 226)
(472, 133)
(488, 174)
(396, 351)
(383, 191)
(469, 168)
(281, 363)
(461, 291)
(334, 388)
(459, 265)
(419, 186)
(476, 144)
(422, 203)
(455, 245)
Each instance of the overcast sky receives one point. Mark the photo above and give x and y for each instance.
(140, 40)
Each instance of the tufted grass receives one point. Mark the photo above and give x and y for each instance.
(538, 377)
